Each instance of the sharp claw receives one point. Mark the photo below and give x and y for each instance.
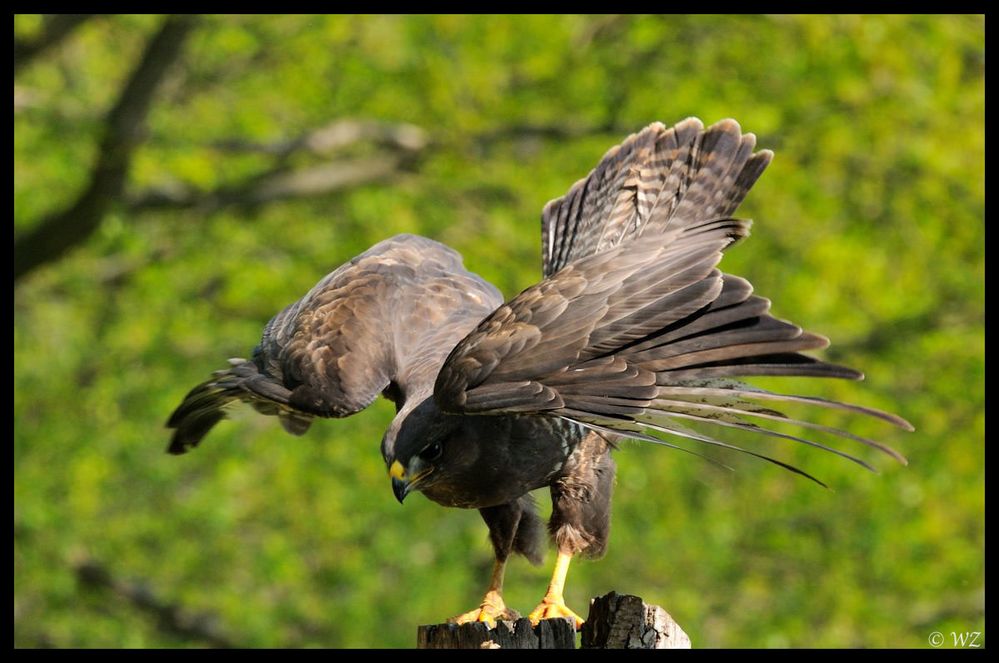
(484, 615)
(490, 611)
(554, 610)
(476, 615)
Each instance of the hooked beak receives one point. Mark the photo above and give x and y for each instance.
(400, 486)
(402, 483)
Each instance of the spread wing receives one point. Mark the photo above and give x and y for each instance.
(381, 323)
(657, 182)
(638, 330)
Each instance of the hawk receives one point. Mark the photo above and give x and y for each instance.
(633, 332)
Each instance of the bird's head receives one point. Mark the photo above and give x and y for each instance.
(455, 460)
(419, 448)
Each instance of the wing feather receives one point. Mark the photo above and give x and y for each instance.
(382, 323)
(656, 182)
(634, 327)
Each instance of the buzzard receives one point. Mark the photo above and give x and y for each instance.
(633, 332)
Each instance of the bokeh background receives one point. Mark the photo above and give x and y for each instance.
(272, 149)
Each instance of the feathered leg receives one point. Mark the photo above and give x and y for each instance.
(513, 527)
(580, 522)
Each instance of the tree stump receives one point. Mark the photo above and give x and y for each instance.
(620, 621)
(616, 621)
(549, 634)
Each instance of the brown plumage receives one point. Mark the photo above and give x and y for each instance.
(632, 331)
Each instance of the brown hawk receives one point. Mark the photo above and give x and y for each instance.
(633, 330)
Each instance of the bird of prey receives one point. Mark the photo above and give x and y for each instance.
(632, 332)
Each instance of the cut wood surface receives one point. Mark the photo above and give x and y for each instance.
(621, 621)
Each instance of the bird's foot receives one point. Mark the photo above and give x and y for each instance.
(491, 610)
(554, 608)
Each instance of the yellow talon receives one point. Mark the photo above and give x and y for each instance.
(550, 609)
(492, 607)
(491, 610)
(553, 605)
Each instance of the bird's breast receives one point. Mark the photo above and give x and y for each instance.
(531, 456)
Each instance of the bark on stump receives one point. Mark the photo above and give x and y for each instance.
(616, 621)
(549, 634)
(620, 621)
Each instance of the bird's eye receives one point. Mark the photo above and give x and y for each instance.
(432, 452)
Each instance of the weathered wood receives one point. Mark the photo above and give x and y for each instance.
(549, 634)
(621, 621)
(616, 621)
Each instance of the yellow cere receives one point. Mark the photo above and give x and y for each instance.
(397, 471)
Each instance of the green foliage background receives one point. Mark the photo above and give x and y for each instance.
(869, 228)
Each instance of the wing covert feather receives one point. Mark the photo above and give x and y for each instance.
(633, 319)
(381, 323)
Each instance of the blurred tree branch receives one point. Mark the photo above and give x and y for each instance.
(55, 28)
(282, 182)
(58, 232)
(403, 141)
(52, 236)
(336, 135)
(170, 617)
(272, 186)
(559, 131)
(904, 329)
